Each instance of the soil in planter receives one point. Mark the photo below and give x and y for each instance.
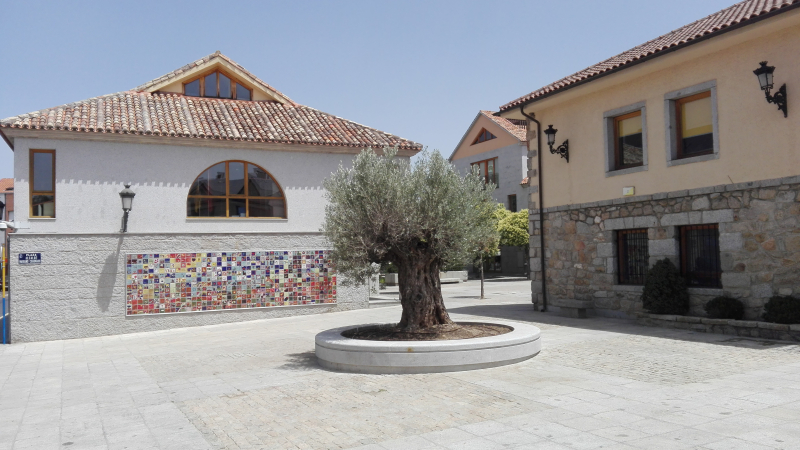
(437, 333)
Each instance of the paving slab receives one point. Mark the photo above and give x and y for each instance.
(598, 383)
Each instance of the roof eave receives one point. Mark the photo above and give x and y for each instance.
(8, 141)
(512, 106)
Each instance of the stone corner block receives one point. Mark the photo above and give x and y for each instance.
(729, 242)
(605, 250)
(718, 216)
(674, 219)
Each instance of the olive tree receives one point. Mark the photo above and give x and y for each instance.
(418, 217)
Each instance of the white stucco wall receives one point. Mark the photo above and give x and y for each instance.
(79, 288)
(511, 161)
(89, 176)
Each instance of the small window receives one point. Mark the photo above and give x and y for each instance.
(218, 85)
(512, 202)
(628, 144)
(483, 136)
(43, 183)
(694, 125)
(633, 256)
(235, 189)
(700, 264)
(487, 169)
(692, 128)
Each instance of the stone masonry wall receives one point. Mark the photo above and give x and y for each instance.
(759, 238)
(79, 288)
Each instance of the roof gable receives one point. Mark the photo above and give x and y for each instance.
(173, 81)
(501, 127)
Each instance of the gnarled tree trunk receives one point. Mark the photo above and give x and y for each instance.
(421, 294)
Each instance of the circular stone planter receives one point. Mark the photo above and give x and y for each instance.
(337, 352)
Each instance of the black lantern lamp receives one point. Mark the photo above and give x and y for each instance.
(562, 149)
(127, 204)
(764, 74)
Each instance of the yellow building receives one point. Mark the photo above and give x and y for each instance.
(671, 150)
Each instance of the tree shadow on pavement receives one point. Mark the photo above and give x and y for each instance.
(306, 361)
(522, 312)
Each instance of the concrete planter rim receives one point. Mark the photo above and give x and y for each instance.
(340, 353)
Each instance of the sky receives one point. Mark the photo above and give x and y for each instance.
(417, 69)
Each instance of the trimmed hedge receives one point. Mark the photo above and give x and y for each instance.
(725, 308)
(665, 291)
(780, 309)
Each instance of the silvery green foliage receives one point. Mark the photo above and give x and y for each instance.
(384, 209)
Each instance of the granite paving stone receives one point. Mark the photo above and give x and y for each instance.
(598, 383)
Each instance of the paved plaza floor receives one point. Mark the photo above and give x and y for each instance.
(598, 383)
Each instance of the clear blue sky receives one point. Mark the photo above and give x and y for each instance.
(417, 69)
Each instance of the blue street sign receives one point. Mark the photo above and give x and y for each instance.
(30, 258)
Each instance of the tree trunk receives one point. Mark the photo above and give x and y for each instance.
(481, 278)
(421, 295)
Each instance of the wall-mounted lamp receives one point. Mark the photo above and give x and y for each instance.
(127, 204)
(562, 149)
(764, 74)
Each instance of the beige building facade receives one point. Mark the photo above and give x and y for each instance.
(673, 140)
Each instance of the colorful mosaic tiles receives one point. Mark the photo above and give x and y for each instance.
(183, 282)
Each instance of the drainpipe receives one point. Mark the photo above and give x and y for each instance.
(541, 201)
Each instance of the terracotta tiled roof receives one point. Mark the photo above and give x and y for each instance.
(524, 181)
(519, 131)
(6, 183)
(175, 115)
(717, 23)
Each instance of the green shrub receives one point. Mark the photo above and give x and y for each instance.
(780, 309)
(725, 308)
(665, 290)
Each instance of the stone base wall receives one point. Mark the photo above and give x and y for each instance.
(759, 238)
(744, 328)
(79, 288)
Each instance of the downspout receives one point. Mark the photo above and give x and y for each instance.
(541, 202)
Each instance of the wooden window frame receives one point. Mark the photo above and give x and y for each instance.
(684, 254)
(246, 196)
(679, 102)
(622, 255)
(485, 173)
(617, 150)
(202, 78)
(483, 130)
(32, 193)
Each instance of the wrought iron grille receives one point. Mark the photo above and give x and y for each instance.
(633, 256)
(700, 264)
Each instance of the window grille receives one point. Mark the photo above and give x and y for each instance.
(700, 264)
(633, 256)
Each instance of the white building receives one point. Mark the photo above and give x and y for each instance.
(498, 148)
(227, 173)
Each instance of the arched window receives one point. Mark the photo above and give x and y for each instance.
(235, 189)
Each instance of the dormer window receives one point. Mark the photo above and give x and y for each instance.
(217, 85)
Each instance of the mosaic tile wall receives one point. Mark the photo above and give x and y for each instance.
(183, 282)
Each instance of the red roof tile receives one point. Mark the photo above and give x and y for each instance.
(6, 183)
(518, 130)
(176, 115)
(741, 13)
